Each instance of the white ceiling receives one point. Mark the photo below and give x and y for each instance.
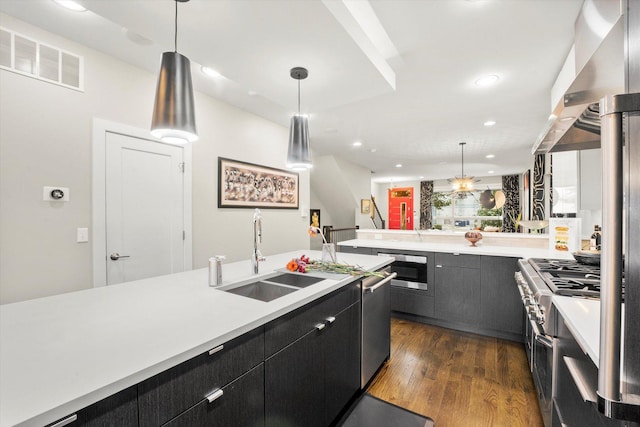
(441, 47)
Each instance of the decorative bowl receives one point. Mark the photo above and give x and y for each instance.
(473, 237)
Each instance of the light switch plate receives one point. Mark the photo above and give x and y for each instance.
(82, 235)
(48, 194)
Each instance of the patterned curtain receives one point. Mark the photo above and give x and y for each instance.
(426, 205)
(537, 208)
(511, 208)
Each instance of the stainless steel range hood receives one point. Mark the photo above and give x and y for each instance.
(575, 123)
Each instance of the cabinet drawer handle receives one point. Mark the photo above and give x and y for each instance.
(438, 265)
(320, 326)
(66, 421)
(215, 350)
(215, 395)
(331, 319)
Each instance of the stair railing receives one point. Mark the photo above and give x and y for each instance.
(376, 217)
(334, 235)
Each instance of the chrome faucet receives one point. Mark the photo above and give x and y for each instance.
(256, 256)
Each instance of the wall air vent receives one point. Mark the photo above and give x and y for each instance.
(31, 58)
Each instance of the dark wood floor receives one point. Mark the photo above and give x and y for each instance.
(456, 378)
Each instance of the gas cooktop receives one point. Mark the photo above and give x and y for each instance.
(568, 277)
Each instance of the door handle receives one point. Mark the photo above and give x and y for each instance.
(116, 256)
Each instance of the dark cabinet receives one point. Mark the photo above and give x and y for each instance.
(240, 403)
(412, 301)
(120, 409)
(309, 381)
(501, 303)
(341, 350)
(164, 396)
(294, 387)
(355, 250)
(458, 295)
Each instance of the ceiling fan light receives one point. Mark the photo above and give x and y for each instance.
(298, 157)
(173, 111)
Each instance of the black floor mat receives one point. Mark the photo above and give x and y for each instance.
(369, 411)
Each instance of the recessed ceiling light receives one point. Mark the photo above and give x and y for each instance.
(398, 165)
(491, 172)
(421, 177)
(489, 123)
(136, 38)
(357, 144)
(487, 80)
(71, 5)
(490, 156)
(210, 72)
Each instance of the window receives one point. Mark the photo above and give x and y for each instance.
(28, 57)
(452, 212)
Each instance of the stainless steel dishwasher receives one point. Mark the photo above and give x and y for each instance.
(376, 324)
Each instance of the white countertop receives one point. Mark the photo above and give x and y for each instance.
(462, 248)
(582, 317)
(62, 353)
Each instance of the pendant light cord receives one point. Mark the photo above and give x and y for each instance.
(298, 96)
(175, 41)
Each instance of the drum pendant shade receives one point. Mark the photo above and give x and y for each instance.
(173, 112)
(173, 119)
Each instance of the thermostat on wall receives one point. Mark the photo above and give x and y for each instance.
(55, 194)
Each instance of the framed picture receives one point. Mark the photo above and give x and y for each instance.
(365, 206)
(314, 214)
(246, 185)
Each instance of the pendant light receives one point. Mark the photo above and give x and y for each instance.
(298, 153)
(462, 184)
(173, 113)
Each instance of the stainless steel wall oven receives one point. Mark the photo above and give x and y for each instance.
(411, 270)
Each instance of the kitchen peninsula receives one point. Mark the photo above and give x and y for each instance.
(63, 353)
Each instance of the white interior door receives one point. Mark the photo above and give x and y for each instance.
(144, 208)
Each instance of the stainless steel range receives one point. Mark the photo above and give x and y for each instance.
(538, 280)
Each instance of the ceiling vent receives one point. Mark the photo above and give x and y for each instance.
(31, 58)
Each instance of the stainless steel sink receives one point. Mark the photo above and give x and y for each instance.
(297, 280)
(263, 291)
(272, 286)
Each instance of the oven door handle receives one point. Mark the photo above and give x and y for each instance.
(539, 337)
(544, 340)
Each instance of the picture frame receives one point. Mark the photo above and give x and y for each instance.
(248, 185)
(365, 206)
(314, 218)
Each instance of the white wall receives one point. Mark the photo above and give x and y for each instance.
(45, 139)
(590, 209)
(358, 179)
